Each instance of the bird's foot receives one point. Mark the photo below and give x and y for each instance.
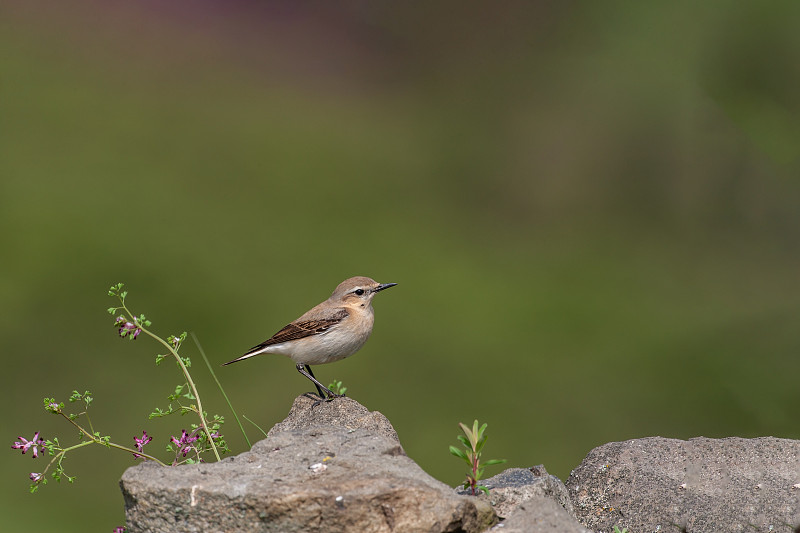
(319, 399)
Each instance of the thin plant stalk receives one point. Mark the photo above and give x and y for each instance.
(256, 425)
(214, 375)
(95, 440)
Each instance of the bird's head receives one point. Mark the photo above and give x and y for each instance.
(358, 291)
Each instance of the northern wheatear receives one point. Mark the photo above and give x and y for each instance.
(333, 330)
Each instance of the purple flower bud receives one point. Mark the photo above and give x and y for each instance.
(128, 328)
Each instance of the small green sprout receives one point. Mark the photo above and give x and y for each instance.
(336, 388)
(473, 441)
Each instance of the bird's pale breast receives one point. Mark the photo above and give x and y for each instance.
(338, 342)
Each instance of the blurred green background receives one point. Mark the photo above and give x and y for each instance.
(591, 209)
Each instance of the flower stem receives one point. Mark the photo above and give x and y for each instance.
(474, 471)
(95, 440)
(188, 379)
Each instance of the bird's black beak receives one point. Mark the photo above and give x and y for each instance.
(383, 286)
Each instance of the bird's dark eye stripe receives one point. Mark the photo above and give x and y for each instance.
(359, 292)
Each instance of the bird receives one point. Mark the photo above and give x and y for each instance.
(335, 329)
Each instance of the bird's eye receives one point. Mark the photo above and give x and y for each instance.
(359, 292)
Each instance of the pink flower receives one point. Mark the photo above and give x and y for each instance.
(184, 444)
(141, 442)
(24, 444)
(127, 328)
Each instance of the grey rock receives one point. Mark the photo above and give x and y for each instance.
(331, 467)
(699, 485)
(513, 486)
(539, 514)
(342, 412)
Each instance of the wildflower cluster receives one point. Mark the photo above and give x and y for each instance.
(53, 448)
(130, 325)
(203, 437)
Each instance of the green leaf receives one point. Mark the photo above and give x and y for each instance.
(470, 435)
(464, 441)
(484, 489)
(458, 453)
(494, 462)
(114, 289)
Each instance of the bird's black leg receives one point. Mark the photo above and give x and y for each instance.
(306, 371)
(317, 384)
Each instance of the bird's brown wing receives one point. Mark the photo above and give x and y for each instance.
(303, 328)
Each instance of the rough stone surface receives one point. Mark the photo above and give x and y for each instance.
(513, 486)
(539, 514)
(699, 485)
(342, 412)
(331, 467)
